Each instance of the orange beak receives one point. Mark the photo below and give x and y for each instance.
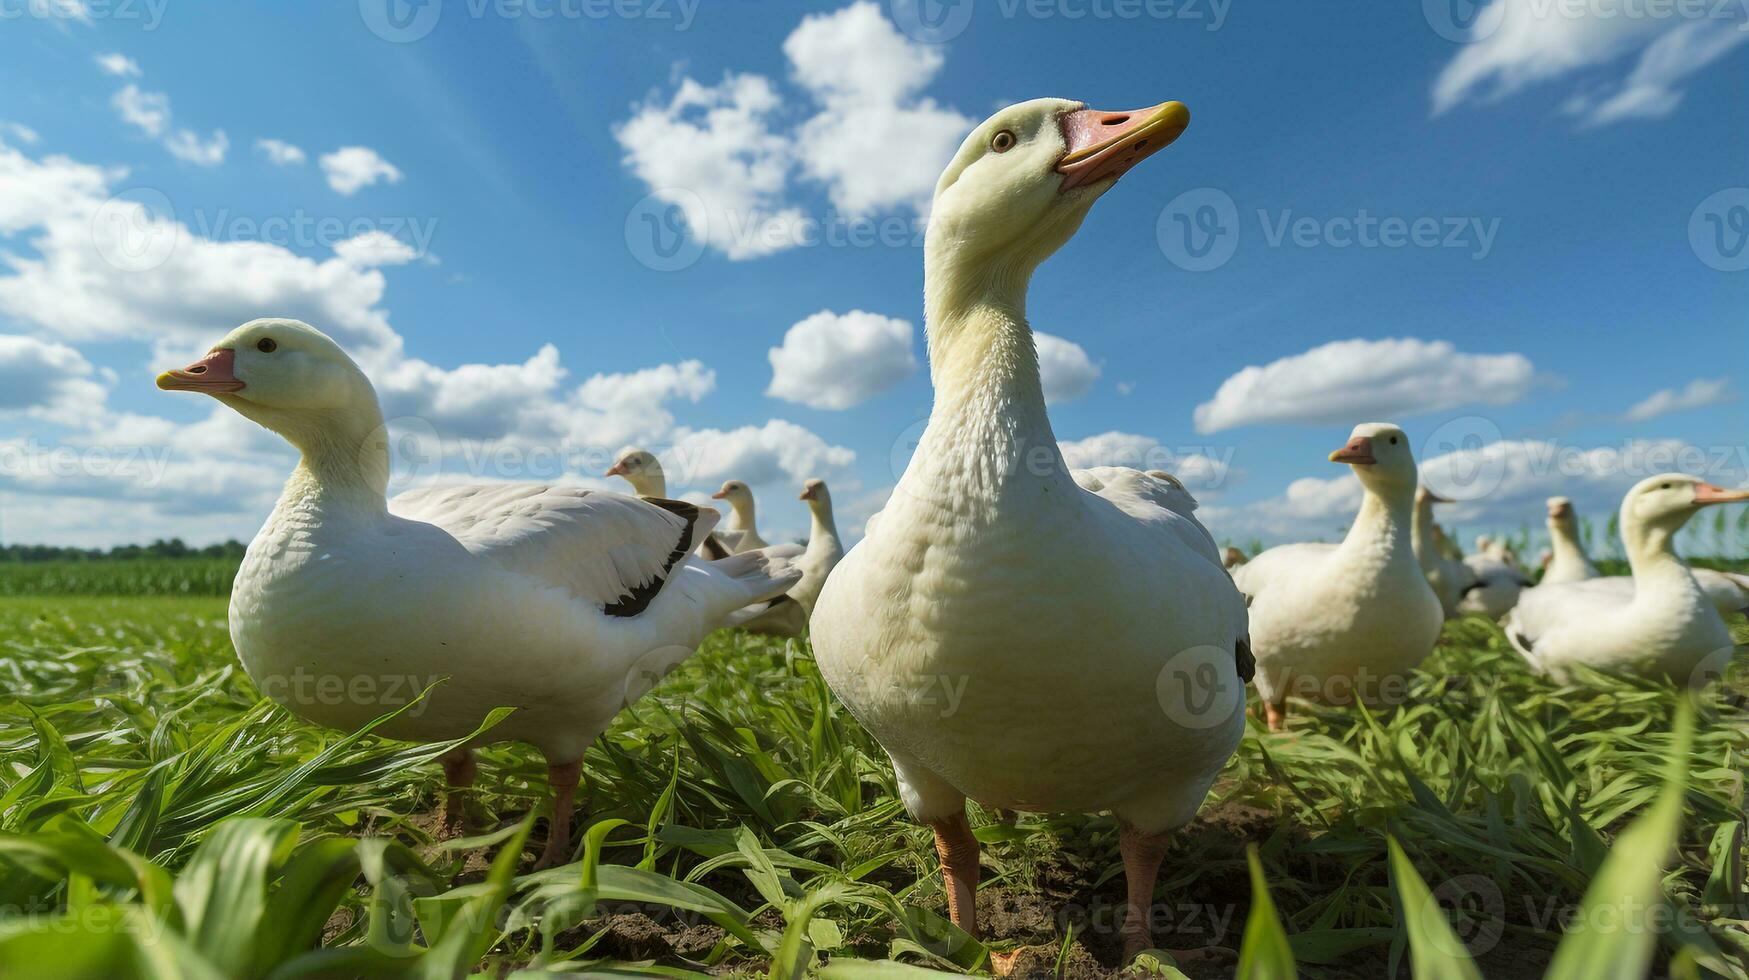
(720, 495)
(1105, 145)
(807, 494)
(1560, 510)
(214, 374)
(617, 469)
(1707, 493)
(1358, 452)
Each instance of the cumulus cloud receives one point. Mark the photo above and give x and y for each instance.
(373, 248)
(118, 64)
(1530, 42)
(1310, 509)
(149, 112)
(1699, 393)
(1064, 368)
(726, 156)
(351, 169)
(1195, 467)
(834, 361)
(1349, 381)
(19, 131)
(280, 152)
(187, 146)
(48, 381)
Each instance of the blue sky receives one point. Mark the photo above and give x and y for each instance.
(1561, 152)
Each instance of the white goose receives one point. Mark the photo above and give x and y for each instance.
(1330, 622)
(1727, 591)
(641, 469)
(1450, 579)
(1499, 581)
(1664, 625)
(560, 602)
(1070, 623)
(788, 615)
(742, 534)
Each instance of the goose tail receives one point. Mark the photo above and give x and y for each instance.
(759, 575)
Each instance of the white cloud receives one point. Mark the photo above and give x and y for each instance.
(118, 64)
(350, 169)
(49, 381)
(1310, 509)
(874, 144)
(832, 361)
(20, 132)
(726, 157)
(1199, 471)
(778, 452)
(373, 248)
(1533, 41)
(1064, 368)
(1699, 393)
(149, 111)
(1347, 381)
(281, 153)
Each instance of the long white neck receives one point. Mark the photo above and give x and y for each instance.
(822, 525)
(344, 465)
(650, 483)
(989, 433)
(1651, 549)
(1426, 546)
(741, 513)
(1565, 550)
(1383, 527)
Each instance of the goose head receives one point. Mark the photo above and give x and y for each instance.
(738, 494)
(1380, 455)
(817, 496)
(1562, 518)
(1025, 178)
(287, 376)
(1666, 502)
(640, 468)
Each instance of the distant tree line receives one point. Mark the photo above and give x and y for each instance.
(173, 548)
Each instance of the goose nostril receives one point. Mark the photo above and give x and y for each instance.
(197, 369)
(1115, 120)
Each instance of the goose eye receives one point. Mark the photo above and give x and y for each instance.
(1002, 142)
(1393, 440)
(1665, 486)
(266, 345)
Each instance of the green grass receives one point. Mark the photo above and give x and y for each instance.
(117, 577)
(157, 820)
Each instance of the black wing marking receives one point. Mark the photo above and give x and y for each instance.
(640, 597)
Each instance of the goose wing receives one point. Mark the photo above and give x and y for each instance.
(1155, 497)
(1288, 562)
(607, 548)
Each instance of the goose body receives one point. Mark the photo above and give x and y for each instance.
(1010, 631)
(1333, 623)
(788, 615)
(563, 603)
(1499, 583)
(1661, 623)
(1449, 578)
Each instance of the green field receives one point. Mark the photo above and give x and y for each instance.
(160, 821)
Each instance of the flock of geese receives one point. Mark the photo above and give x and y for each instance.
(1087, 615)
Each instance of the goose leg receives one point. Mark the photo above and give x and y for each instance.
(563, 779)
(1142, 854)
(459, 771)
(958, 851)
(1275, 715)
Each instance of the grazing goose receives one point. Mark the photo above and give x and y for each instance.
(552, 600)
(788, 616)
(1728, 591)
(1074, 621)
(643, 471)
(1663, 624)
(1331, 623)
(1450, 579)
(1498, 582)
(742, 534)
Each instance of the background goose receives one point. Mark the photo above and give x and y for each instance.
(1498, 580)
(643, 471)
(1450, 579)
(788, 615)
(1727, 591)
(742, 534)
(1332, 622)
(1074, 618)
(1663, 624)
(1567, 560)
(563, 603)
